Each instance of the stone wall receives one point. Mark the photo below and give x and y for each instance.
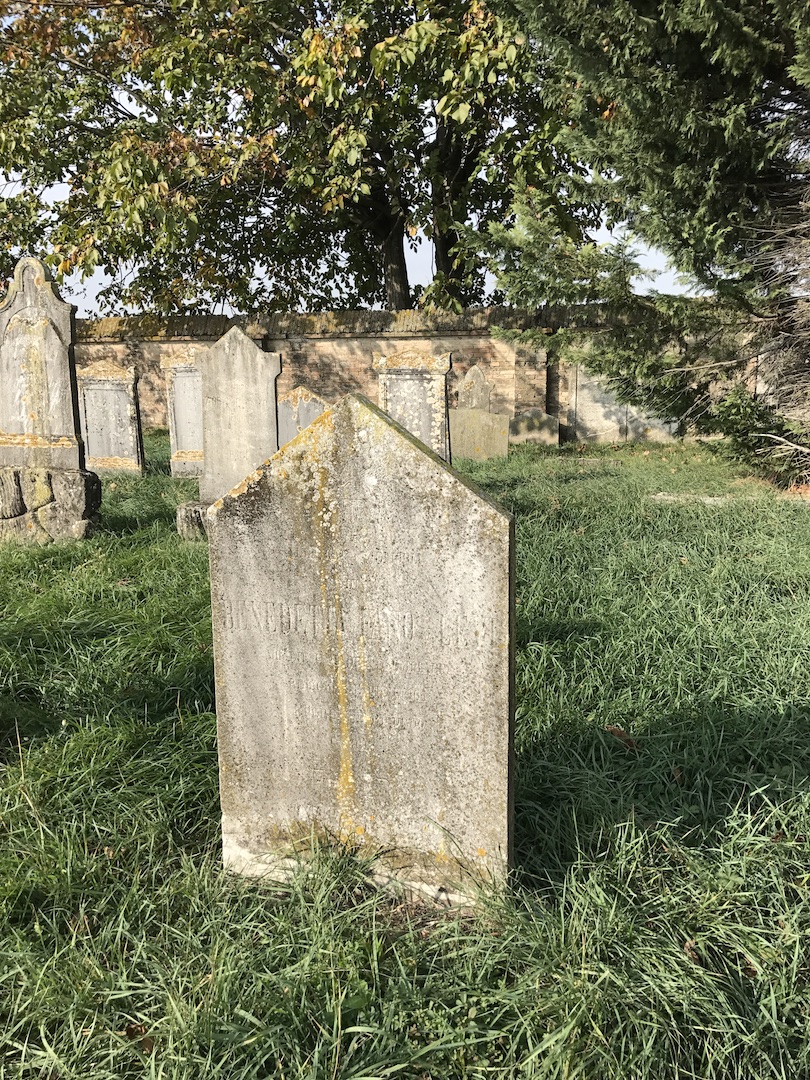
(332, 354)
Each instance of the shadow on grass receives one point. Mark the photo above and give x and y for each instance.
(690, 771)
(69, 676)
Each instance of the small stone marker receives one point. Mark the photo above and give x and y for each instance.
(296, 411)
(478, 435)
(110, 421)
(413, 391)
(535, 426)
(184, 393)
(239, 420)
(475, 432)
(362, 611)
(45, 492)
(39, 423)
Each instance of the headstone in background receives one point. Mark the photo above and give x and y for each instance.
(110, 421)
(296, 411)
(475, 432)
(478, 435)
(39, 424)
(239, 411)
(185, 408)
(474, 391)
(45, 492)
(239, 420)
(535, 426)
(413, 391)
(349, 575)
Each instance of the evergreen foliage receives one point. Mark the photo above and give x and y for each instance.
(695, 118)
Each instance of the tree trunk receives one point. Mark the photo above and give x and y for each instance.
(397, 289)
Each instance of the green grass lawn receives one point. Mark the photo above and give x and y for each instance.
(658, 923)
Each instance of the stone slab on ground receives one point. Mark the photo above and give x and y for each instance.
(39, 420)
(362, 598)
(535, 426)
(191, 521)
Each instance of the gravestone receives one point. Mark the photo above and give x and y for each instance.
(38, 411)
(185, 409)
(362, 604)
(535, 426)
(413, 391)
(239, 420)
(110, 421)
(45, 492)
(296, 411)
(474, 391)
(475, 432)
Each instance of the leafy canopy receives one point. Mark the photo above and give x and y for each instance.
(266, 153)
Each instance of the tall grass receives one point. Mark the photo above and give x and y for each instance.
(658, 921)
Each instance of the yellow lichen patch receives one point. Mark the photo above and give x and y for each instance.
(41, 441)
(105, 369)
(188, 455)
(481, 853)
(299, 395)
(360, 830)
(118, 463)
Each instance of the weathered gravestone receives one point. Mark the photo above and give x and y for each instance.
(110, 421)
(296, 411)
(185, 408)
(239, 420)
(362, 613)
(413, 391)
(45, 492)
(475, 432)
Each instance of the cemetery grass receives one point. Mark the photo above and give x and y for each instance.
(657, 926)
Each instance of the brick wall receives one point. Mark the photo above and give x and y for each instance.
(331, 353)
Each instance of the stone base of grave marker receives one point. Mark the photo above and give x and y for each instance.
(190, 520)
(41, 505)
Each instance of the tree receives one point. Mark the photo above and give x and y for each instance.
(694, 113)
(695, 118)
(263, 152)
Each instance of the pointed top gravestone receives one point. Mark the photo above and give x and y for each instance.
(475, 392)
(239, 411)
(362, 612)
(39, 422)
